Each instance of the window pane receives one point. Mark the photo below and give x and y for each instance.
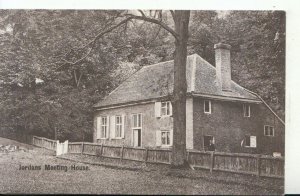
(168, 108)
(271, 131)
(246, 110)
(134, 120)
(139, 120)
(163, 108)
(163, 138)
(168, 138)
(206, 106)
(247, 142)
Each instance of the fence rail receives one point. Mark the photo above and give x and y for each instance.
(44, 143)
(242, 163)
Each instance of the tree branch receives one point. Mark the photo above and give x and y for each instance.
(173, 14)
(155, 21)
(142, 13)
(129, 18)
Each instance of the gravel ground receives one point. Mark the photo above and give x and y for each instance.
(117, 178)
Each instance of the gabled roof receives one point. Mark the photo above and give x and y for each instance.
(155, 81)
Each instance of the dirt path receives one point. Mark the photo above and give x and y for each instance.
(101, 180)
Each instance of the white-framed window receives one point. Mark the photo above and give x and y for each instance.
(163, 109)
(137, 121)
(137, 130)
(165, 138)
(250, 141)
(119, 126)
(104, 127)
(207, 106)
(246, 110)
(166, 108)
(269, 130)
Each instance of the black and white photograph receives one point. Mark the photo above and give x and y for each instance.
(143, 101)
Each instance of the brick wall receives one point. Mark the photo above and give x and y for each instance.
(229, 127)
(226, 123)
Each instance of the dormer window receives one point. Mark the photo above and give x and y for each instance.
(246, 110)
(207, 106)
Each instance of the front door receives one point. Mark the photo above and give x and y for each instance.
(137, 138)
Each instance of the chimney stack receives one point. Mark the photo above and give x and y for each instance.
(223, 67)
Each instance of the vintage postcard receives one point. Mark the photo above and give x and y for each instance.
(143, 101)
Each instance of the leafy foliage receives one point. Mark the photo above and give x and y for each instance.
(43, 95)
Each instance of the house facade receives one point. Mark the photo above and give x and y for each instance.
(220, 114)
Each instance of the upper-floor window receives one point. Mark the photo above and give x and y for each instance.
(166, 108)
(246, 110)
(137, 121)
(163, 109)
(207, 106)
(104, 127)
(268, 130)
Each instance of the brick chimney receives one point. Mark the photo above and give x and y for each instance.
(223, 67)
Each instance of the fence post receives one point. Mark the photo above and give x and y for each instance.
(146, 155)
(42, 143)
(101, 150)
(82, 147)
(212, 161)
(258, 165)
(122, 149)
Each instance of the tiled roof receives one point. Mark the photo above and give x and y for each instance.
(154, 81)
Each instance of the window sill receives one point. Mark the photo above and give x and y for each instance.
(207, 112)
(166, 146)
(117, 138)
(164, 116)
(249, 147)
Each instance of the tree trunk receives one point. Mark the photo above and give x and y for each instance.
(181, 19)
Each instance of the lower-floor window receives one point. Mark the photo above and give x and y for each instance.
(209, 143)
(250, 141)
(165, 138)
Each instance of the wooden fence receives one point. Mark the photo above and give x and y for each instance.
(121, 152)
(259, 165)
(44, 143)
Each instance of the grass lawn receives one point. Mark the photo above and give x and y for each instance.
(100, 180)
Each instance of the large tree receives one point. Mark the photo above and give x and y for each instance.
(180, 34)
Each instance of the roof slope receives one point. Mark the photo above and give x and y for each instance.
(154, 81)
